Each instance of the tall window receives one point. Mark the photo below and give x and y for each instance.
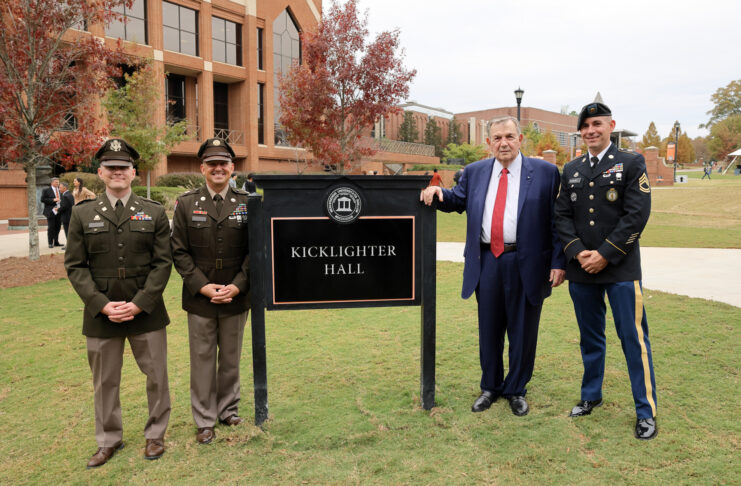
(175, 91)
(260, 36)
(286, 50)
(134, 29)
(180, 28)
(221, 106)
(261, 113)
(227, 46)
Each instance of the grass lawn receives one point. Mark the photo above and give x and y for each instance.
(696, 214)
(344, 401)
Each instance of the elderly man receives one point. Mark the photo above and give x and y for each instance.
(512, 259)
(52, 197)
(118, 261)
(603, 206)
(210, 250)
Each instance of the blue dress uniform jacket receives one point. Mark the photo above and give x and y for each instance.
(208, 247)
(119, 259)
(604, 208)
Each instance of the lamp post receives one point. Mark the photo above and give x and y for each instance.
(518, 94)
(676, 148)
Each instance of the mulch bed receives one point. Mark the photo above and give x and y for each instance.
(17, 272)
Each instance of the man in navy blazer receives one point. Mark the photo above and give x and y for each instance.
(513, 256)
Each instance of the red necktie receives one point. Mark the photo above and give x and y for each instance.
(497, 218)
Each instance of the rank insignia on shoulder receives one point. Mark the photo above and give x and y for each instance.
(643, 184)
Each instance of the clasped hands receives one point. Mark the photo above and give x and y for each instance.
(220, 294)
(120, 311)
(591, 261)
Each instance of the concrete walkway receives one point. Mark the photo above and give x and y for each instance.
(706, 273)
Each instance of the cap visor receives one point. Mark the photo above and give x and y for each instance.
(213, 158)
(116, 163)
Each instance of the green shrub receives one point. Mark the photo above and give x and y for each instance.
(436, 166)
(163, 195)
(188, 180)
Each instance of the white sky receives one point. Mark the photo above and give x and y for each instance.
(652, 60)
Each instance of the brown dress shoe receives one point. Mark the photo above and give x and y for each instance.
(205, 435)
(233, 420)
(154, 449)
(102, 455)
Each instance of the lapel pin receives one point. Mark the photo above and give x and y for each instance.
(233, 200)
(132, 208)
(610, 156)
(104, 209)
(203, 198)
(96, 218)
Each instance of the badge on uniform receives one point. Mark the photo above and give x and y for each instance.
(643, 184)
(573, 197)
(141, 216)
(199, 215)
(612, 195)
(96, 224)
(239, 213)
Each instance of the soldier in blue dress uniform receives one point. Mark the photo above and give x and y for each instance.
(601, 210)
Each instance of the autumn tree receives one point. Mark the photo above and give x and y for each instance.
(434, 136)
(686, 152)
(549, 141)
(50, 78)
(469, 153)
(408, 129)
(531, 137)
(701, 148)
(651, 138)
(342, 86)
(132, 111)
(454, 132)
(726, 101)
(725, 137)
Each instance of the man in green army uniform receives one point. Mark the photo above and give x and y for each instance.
(210, 251)
(118, 261)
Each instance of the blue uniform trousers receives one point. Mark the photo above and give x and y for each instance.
(626, 302)
(503, 306)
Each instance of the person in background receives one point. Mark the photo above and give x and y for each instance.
(80, 192)
(65, 208)
(233, 181)
(51, 197)
(436, 180)
(249, 185)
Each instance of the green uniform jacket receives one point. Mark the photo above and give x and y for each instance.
(604, 208)
(210, 248)
(127, 259)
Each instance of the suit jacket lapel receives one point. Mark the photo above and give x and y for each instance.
(526, 177)
(103, 208)
(482, 189)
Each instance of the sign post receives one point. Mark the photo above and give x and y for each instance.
(319, 242)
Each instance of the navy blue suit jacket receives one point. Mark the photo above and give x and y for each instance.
(538, 245)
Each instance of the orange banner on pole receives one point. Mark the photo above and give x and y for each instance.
(670, 151)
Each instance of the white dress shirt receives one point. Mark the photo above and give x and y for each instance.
(510, 208)
(599, 155)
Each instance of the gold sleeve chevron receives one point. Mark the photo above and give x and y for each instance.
(643, 184)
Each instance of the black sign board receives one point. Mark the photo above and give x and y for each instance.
(341, 241)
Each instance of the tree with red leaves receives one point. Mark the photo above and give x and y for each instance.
(50, 80)
(343, 86)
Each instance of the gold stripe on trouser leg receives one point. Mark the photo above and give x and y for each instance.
(644, 352)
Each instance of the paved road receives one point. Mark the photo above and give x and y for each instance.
(706, 273)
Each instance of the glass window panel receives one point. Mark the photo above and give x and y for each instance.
(231, 32)
(231, 54)
(286, 66)
(188, 43)
(276, 43)
(286, 46)
(187, 20)
(276, 63)
(118, 8)
(217, 28)
(170, 14)
(171, 39)
(137, 9)
(115, 29)
(295, 49)
(218, 51)
(136, 31)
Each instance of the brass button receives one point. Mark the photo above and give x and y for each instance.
(120, 230)
(591, 210)
(591, 223)
(612, 182)
(591, 196)
(591, 183)
(120, 259)
(120, 245)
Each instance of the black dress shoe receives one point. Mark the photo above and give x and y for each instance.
(51, 245)
(484, 401)
(58, 244)
(585, 407)
(646, 428)
(518, 404)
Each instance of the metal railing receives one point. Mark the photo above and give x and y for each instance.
(232, 137)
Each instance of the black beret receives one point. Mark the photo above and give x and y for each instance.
(216, 149)
(590, 110)
(116, 152)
